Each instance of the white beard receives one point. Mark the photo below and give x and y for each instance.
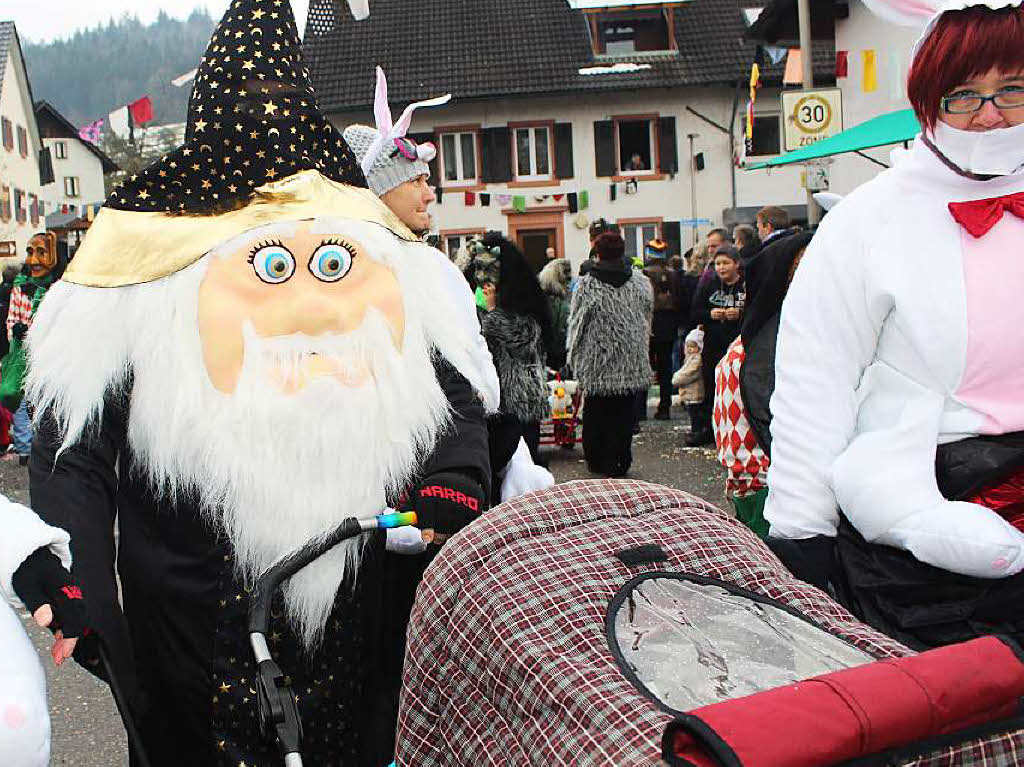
(273, 470)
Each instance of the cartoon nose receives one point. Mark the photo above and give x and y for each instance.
(330, 314)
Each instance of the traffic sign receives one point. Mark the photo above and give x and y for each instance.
(811, 116)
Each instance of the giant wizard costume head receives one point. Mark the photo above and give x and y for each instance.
(264, 313)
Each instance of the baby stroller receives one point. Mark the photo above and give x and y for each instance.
(609, 622)
(562, 426)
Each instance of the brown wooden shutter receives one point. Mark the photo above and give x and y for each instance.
(668, 156)
(604, 147)
(496, 162)
(563, 150)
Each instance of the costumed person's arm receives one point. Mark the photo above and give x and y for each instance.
(579, 310)
(828, 334)
(75, 490)
(457, 475)
(18, 312)
(24, 533)
(25, 726)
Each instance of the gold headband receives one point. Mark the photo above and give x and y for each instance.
(129, 248)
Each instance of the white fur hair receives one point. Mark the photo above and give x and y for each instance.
(273, 471)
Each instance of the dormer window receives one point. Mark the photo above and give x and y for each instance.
(621, 33)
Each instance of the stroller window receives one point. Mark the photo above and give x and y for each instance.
(687, 641)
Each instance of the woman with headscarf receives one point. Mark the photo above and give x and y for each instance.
(899, 401)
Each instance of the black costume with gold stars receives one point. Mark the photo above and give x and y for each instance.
(253, 119)
(174, 621)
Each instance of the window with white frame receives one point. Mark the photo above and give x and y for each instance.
(533, 153)
(71, 186)
(635, 140)
(459, 158)
(60, 150)
(636, 235)
(767, 138)
(455, 242)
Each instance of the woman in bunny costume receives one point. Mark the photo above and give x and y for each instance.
(899, 404)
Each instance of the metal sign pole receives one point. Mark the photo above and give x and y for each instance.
(807, 62)
(693, 186)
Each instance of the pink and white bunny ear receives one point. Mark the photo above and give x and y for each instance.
(402, 126)
(906, 13)
(381, 110)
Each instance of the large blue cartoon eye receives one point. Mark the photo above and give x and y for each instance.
(331, 262)
(273, 263)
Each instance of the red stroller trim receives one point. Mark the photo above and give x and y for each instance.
(849, 714)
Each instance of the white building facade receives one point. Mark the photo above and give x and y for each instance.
(78, 166)
(20, 190)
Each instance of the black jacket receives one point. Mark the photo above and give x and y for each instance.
(718, 334)
(668, 300)
(179, 645)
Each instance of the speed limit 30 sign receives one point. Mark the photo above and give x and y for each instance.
(811, 116)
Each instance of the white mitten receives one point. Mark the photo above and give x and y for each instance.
(523, 476)
(405, 540)
(24, 719)
(963, 538)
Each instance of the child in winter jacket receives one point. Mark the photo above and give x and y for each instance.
(689, 378)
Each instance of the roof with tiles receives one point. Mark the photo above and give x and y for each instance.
(481, 49)
(7, 37)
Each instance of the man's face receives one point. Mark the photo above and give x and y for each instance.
(409, 201)
(40, 257)
(715, 241)
(764, 229)
(295, 287)
(550, 253)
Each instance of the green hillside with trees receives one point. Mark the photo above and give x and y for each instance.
(98, 70)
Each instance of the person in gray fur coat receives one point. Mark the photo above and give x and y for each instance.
(608, 332)
(518, 332)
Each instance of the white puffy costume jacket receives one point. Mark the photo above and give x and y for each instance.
(901, 331)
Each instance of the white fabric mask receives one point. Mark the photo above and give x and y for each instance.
(998, 152)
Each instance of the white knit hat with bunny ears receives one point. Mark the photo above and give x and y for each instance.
(375, 147)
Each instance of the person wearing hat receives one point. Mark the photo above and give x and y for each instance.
(898, 408)
(245, 351)
(666, 320)
(689, 377)
(609, 321)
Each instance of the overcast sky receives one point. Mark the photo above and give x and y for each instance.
(42, 20)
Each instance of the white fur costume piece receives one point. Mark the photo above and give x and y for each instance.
(24, 718)
(872, 356)
(184, 434)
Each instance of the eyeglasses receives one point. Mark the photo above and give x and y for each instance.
(965, 103)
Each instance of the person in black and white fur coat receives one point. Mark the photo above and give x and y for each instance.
(518, 332)
(609, 327)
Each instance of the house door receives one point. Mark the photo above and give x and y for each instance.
(534, 244)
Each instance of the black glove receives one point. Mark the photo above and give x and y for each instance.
(812, 560)
(447, 502)
(18, 331)
(40, 580)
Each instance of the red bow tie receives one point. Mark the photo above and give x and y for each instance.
(978, 216)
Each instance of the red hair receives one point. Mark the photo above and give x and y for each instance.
(962, 45)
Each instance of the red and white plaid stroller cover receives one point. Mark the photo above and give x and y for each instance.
(508, 659)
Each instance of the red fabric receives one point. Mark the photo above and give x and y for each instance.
(738, 451)
(142, 110)
(470, 198)
(865, 710)
(6, 419)
(978, 216)
(842, 64)
(1006, 498)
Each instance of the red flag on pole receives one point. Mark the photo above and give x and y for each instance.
(142, 110)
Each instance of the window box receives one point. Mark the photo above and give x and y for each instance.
(460, 158)
(532, 152)
(631, 31)
(629, 146)
(767, 140)
(636, 232)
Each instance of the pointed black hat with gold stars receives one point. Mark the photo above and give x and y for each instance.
(257, 149)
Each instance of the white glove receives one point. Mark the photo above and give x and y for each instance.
(405, 540)
(523, 476)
